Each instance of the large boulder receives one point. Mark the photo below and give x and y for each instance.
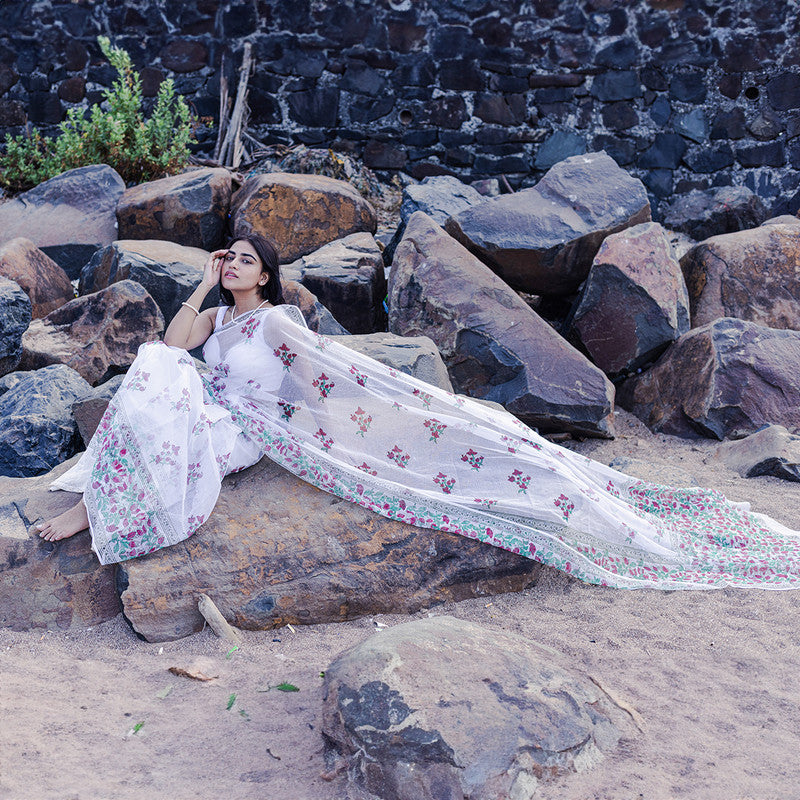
(726, 209)
(770, 451)
(68, 217)
(753, 275)
(45, 283)
(348, 278)
(317, 317)
(97, 335)
(39, 430)
(15, 316)
(277, 550)
(444, 708)
(299, 213)
(494, 345)
(542, 240)
(189, 209)
(634, 301)
(48, 585)
(89, 409)
(724, 380)
(169, 274)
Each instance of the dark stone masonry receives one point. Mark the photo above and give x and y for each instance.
(685, 94)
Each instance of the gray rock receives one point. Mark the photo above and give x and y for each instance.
(89, 409)
(48, 585)
(347, 276)
(38, 430)
(414, 355)
(783, 219)
(771, 451)
(443, 708)
(494, 345)
(542, 240)
(15, 316)
(317, 317)
(68, 217)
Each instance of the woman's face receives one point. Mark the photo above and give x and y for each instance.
(242, 268)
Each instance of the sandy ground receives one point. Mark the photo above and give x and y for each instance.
(97, 714)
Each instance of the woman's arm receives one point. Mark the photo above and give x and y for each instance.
(188, 328)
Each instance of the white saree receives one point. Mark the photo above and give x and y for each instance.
(402, 448)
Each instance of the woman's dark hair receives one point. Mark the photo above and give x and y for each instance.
(272, 289)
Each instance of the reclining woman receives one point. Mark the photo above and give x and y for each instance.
(371, 435)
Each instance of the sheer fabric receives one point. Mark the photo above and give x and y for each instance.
(404, 449)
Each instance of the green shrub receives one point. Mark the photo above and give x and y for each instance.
(117, 135)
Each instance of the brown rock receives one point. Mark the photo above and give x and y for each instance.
(770, 451)
(89, 409)
(48, 585)
(276, 551)
(317, 317)
(494, 345)
(300, 213)
(96, 335)
(542, 240)
(45, 283)
(188, 209)
(752, 275)
(444, 708)
(724, 380)
(634, 301)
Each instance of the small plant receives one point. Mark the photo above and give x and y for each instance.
(115, 133)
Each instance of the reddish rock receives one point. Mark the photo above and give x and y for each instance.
(725, 380)
(184, 55)
(96, 335)
(188, 209)
(45, 283)
(317, 317)
(494, 345)
(542, 240)
(300, 213)
(634, 301)
(752, 275)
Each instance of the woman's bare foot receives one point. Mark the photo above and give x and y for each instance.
(64, 525)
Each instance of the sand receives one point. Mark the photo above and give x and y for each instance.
(712, 675)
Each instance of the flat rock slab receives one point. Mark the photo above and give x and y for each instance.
(48, 585)
(771, 451)
(68, 217)
(443, 708)
(277, 550)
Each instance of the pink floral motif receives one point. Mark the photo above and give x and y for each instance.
(510, 447)
(324, 384)
(565, 505)
(139, 380)
(424, 396)
(611, 489)
(286, 356)
(249, 327)
(521, 480)
(323, 342)
(362, 419)
(484, 502)
(399, 457)
(184, 403)
(194, 472)
(364, 467)
(168, 455)
(324, 439)
(534, 445)
(445, 482)
(393, 372)
(396, 406)
(361, 379)
(287, 409)
(435, 428)
(473, 459)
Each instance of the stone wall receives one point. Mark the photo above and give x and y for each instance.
(682, 93)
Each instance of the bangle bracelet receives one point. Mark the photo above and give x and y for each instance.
(189, 305)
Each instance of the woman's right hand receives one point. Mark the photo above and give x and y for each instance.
(213, 268)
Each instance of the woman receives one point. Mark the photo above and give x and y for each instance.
(393, 444)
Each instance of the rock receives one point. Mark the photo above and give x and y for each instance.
(783, 219)
(398, 707)
(276, 551)
(771, 451)
(542, 240)
(39, 431)
(68, 217)
(348, 279)
(48, 585)
(89, 409)
(45, 283)
(634, 301)
(189, 209)
(724, 381)
(97, 335)
(170, 274)
(750, 274)
(15, 316)
(494, 345)
(317, 317)
(414, 355)
(701, 214)
(299, 213)
(681, 243)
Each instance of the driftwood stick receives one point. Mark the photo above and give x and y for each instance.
(216, 621)
(227, 151)
(223, 110)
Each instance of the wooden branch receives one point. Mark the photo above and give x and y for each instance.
(216, 621)
(224, 109)
(228, 149)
